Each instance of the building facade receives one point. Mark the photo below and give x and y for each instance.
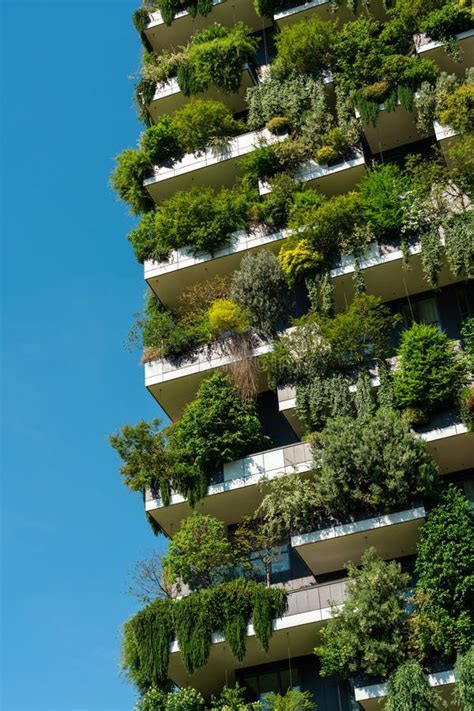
(269, 130)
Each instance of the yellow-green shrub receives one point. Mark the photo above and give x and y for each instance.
(297, 258)
(227, 315)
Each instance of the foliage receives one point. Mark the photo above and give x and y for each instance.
(260, 164)
(321, 398)
(382, 193)
(226, 315)
(429, 373)
(443, 597)
(320, 344)
(274, 207)
(200, 553)
(459, 243)
(466, 407)
(127, 179)
(464, 672)
(200, 218)
(196, 299)
(458, 111)
(214, 57)
(293, 700)
(150, 579)
(278, 125)
(142, 448)
(330, 224)
(216, 427)
(179, 700)
(140, 19)
(145, 647)
(297, 257)
(202, 121)
(258, 546)
(304, 47)
(260, 288)
(226, 608)
(467, 333)
(408, 689)
(288, 504)
(160, 142)
(163, 336)
(443, 23)
(170, 8)
(372, 464)
(232, 700)
(368, 635)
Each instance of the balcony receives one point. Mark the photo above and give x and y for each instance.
(218, 166)
(323, 9)
(329, 179)
(446, 137)
(169, 97)
(382, 268)
(298, 630)
(370, 697)
(449, 442)
(329, 549)
(435, 51)
(238, 494)
(169, 279)
(173, 385)
(226, 12)
(392, 129)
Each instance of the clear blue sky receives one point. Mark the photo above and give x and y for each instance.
(71, 530)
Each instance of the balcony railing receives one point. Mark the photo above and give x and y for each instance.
(210, 166)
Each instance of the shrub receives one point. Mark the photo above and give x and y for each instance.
(259, 287)
(196, 299)
(368, 635)
(288, 504)
(293, 700)
(329, 224)
(143, 241)
(321, 398)
(320, 345)
(326, 154)
(464, 672)
(227, 315)
(467, 333)
(202, 121)
(199, 218)
(467, 407)
(274, 207)
(443, 23)
(127, 179)
(295, 97)
(297, 257)
(371, 463)
(291, 153)
(260, 164)
(382, 193)
(200, 553)
(185, 700)
(408, 689)
(358, 52)
(458, 111)
(161, 142)
(278, 125)
(215, 57)
(442, 621)
(429, 373)
(304, 47)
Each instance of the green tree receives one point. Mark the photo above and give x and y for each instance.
(372, 463)
(259, 285)
(200, 554)
(464, 672)
(201, 121)
(368, 635)
(305, 47)
(382, 198)
(408, 689)
(127, 179)
(443, 623)
(142, 448)
(430, 372)
(216, 427)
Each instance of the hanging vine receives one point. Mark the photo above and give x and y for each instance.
(226, 608)
(431, 255)
(459, 243)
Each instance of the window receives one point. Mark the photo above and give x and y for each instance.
(278, 681)
(280, 564)
(423, 311)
